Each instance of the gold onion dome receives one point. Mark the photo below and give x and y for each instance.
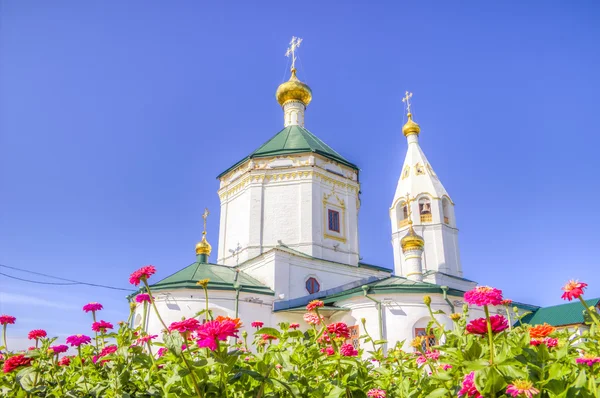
(293, 90)
(203, 247)
(411, 240)
(410, 127)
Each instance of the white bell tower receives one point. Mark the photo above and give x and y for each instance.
(422, 200)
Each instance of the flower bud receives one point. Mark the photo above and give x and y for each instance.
(363, 321)
(455, 316)
(515, 310)
(244, 334)
(427, 300)
(132, 306)
(465, 308)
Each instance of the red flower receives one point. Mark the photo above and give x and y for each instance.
(340, 329)
(217, 330)
(468, 387)
(64, 361)
(7, 319)
(78, 339)
(506, 302)
(58, 349)
(328, 350)
(142, 274)
(314, 304)
(111, 349)
(294, 326)
(187, 325)
(92, 307)
(376, 393)
(257, 324)
(143, 297)
(16, 361)
(479, 326)
(484, 295)
(101, 326)
(37, 334)
(348, 350)
(573, 289)
(145, 339)
(268, 337)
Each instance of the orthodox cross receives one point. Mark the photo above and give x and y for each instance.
(236, 252)
(205, 216)
(406, 100)
(408, 203)
(294, 44)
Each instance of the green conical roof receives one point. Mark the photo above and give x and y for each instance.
(220, 278)
(294, 140)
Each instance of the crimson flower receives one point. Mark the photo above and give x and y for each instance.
(328, 350)
(185, 326)
(257, 324)
(340, 329)
(101, 326)
(58, 349)
(268, 337)
(143, 297)
(468, 387)
(142, 274)
(376, 393)
(37, 334)
(573, 289)
(7, 319)
(15, 362)
(479, 325)
(294, 326)
(93, 307)
(548, 341)
(522, 387)
(484, 295)
(111, 349)
(78, 339)
(213, 331)
(314, 304)
(348, 350)
(64, 361)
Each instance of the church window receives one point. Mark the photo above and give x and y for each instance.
(446, 210)
(402, 214)
(312, 285)
(406, 172)
(354, 338)
(419, 169)
(334, 220)
(425, 209)
(429, 338)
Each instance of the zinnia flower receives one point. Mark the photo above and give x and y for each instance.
(145, 339)
(484, 295)
(312, 319)
(15, 362)
(445, 366)
(314, 304)
(257, 324)
(506, 302)
(142, 274)
(161, 351)
(548, 341)
(588, 359)
(78, 339)
(105, 351)
(213, 331)
(37, 334)
(539, 331)
(268, 337)
(455, 316)
(294, 326)
(479, 326)
(203, 282)
(348, 350)
(522, 387)
(376, 393)
(236, 321)
(92, 307)
(573, 289)
(7, 319)
(64, 361)
(340, 329)
(328, 350)
(468, 387)
(58, 349)
(185, 326)
(143, 298)
(101, 326)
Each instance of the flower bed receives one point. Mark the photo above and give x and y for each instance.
(485, 357)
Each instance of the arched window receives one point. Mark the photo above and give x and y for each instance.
(425, 209)
(312, 285)
(446, 210)
(402, 214)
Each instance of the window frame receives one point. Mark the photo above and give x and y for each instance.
(427, 344)
(354, 338)
(313, 281)
(336, 214)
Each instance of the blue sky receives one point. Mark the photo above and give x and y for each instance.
(116, 117)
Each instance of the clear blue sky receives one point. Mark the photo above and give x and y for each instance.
(116, 117)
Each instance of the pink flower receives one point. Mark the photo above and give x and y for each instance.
(278, 366)
(376, 393)
(257, 324)
(548, 341)
(573, 289)
(37, 334)
(15, 362)
(185, 326)
(479, 325)
(161, 351)
(445, 366)
(433, 355)
(145, 339)
(142, 274)
(7, 319)
(522, 387)
(340, 329)
(105, 351)
(64, 361)
(484, 295)
(213, 331)
(328, 350)
(92, 307)
(468, 387)
(294, 326)
(314, 304)
(101, 326)
(78, 339)
(143, 297)
(588, 360)
(312, 319)
(58, 349)
(421, 360)
(348, 350)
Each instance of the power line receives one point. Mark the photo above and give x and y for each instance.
(71, 281)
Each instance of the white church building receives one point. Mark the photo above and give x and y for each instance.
(289, 234)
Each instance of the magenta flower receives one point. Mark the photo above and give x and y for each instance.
(78, 339)
(294, 326)
(101, 326)
(479, 325)
(93, 307)
(37, 334)
(484, 295)
(161, 351)
(328, 350)
(522, 388)
(257, 324)
(468, 387)
(145, 339)
(376, 393)
(588, 360)
(7, 319)
(185, 326)
(573, 289)
(348, 350)
(111, 349)
(142, 274)
(143, 297)
(213, 331)
(58, 349)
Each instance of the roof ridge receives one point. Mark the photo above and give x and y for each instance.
(570, 302)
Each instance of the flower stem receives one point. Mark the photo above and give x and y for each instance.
(208, 314)
(490, 334)
(82, 370)
(593, 315)
(191, 372)
(144, 318)
(94, 317)
(508, 315)
(154, 305)
(4, 337)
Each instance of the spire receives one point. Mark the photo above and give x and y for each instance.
(293, 95)
(409, 127)
(203, 248)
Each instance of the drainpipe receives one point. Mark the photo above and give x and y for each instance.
(237, 288)
(445, 293)
(365, 289)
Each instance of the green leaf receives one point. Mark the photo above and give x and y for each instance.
(174, 341)
(26, 378)
(438, 392)
(271, 331)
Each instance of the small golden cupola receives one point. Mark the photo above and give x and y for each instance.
(203, 248)
(293, 90)
(410, 127)
(412, 241)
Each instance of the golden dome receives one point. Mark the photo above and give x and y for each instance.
(411, 241)
(293, 90)
(203, 247)
(410, 127)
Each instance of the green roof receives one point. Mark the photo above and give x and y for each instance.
(220, 278)
(560, 315)
(293, 140)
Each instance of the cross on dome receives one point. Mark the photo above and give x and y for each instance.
(406, 100)
(294, 44)
(205, 216)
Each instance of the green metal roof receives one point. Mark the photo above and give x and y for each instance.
(375, 267)
(221, 278)
(559, 315)
(293, 140)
